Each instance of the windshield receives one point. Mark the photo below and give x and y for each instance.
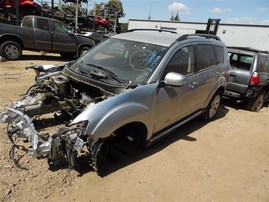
(123, 60)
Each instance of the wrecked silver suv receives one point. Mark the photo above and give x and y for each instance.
(139, 85)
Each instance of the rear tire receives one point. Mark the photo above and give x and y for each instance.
(11, 50)
(256, 104)
(213, 107)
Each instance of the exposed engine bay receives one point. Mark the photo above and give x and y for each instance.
(55, 92)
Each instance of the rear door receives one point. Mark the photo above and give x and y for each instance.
(208, 72)
(43, 36)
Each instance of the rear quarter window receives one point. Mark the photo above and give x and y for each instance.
(27, 22)
(219, 54)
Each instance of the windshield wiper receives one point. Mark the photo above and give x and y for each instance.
(110, 73)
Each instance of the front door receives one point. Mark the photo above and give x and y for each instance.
(62, 40)
(174, 103)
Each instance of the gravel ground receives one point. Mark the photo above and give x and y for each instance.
(224, 160)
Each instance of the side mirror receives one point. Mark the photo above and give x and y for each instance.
(71, 32)
(174, 79)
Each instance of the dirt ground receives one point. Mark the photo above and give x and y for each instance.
(224, 160)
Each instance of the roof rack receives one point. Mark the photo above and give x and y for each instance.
(248, 49)
(156, 30)
(186, 36)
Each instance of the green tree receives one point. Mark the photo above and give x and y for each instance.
(116, 5)
(113, 9)
(176, 17)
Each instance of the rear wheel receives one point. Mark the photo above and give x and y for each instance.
(257, 103)
(11, 50)
(213, 107)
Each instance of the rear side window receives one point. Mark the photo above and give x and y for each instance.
(42, 24)
(205, 56)
(264, 64)
(59, 27)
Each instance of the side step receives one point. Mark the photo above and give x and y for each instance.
(175, 126)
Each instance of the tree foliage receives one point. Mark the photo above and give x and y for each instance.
(176, 18)
(110, 10)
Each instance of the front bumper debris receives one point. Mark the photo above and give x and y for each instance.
(21, 125)
(67, 143)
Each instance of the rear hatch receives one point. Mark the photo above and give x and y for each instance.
(241, 71)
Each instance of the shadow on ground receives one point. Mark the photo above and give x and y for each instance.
(45, 57)
(239, 105)
(123, 152)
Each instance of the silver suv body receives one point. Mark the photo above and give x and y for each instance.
(249, 77)
(139, 86)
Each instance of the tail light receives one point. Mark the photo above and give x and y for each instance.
(255, 80)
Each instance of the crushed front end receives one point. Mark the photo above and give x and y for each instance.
(53, 93)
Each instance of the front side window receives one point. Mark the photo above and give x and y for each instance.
(59, 27)
(182, 62)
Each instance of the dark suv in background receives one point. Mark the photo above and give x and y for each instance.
(249, 77)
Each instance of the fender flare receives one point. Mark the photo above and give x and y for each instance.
(120, 116)
(11, 37)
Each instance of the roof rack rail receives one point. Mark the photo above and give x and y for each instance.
(156, 30)
(185, 36)
(248, 49)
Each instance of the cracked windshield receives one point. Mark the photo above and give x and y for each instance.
(122, 60)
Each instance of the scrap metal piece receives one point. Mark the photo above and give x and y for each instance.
(21, 125)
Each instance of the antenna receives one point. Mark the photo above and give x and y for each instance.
(150, 11)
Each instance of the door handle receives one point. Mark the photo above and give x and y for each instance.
(193, 84)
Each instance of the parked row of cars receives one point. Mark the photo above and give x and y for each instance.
(137, 87)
